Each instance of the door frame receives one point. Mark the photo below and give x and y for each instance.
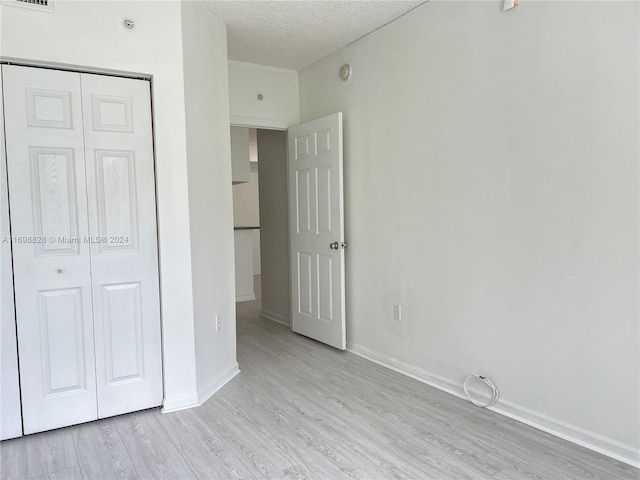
(121, 74)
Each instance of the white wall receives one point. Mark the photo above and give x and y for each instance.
(246, 201)
(279, 87)
(256, 252)
(89, 35)
(239, 154)
(245, 291)
(246, 210)
(204, 45)
(274, 224)
(491, 181)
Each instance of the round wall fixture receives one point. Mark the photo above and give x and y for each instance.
(128, 24)
(345, 71)
(260, 97)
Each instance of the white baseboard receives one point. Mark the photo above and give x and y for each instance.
(177, 404)
(219, 382)
(192, 401)
(574, 434)
(275, 317)
(245, 298)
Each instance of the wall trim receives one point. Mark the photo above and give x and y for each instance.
(245, 298)
(68, 67)
(180, 403)
(263, 123)
(274, 317)
(220, 381)
(572, 433)
(192, 401)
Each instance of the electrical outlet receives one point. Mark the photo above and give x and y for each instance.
(397, 313)
(218, 323)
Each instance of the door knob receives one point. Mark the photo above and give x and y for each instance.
(334, 246)
(60, 270)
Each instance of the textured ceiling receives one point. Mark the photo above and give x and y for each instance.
(293, 34)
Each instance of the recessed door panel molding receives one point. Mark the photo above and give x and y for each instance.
(303, 201)
(117, 204)
(301, 147)
(325, 287)
(61, 340)
(316, 199)
(323, 141)
(52, 277)
(304, 280)
(112, 113)
(323, 200)
(10, 408)
(124, 263)
(53, 184)
(123, 333)
(49, 108)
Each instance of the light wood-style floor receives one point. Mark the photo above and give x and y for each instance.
(302, 410)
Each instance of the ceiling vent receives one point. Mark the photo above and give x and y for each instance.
(42, 5)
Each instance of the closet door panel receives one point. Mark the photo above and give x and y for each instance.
(124, 257)
(10, 410)
(49, 222)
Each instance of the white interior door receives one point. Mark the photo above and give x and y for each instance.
(48, 199)
(124, 255)
(316, 212)
(10, 411)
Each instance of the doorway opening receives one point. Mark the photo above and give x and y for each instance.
(301, 224)
(261, 222)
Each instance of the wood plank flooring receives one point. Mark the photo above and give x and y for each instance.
(289, 415)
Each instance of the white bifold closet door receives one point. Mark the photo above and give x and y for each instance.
(82, 203)
(124, 263)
